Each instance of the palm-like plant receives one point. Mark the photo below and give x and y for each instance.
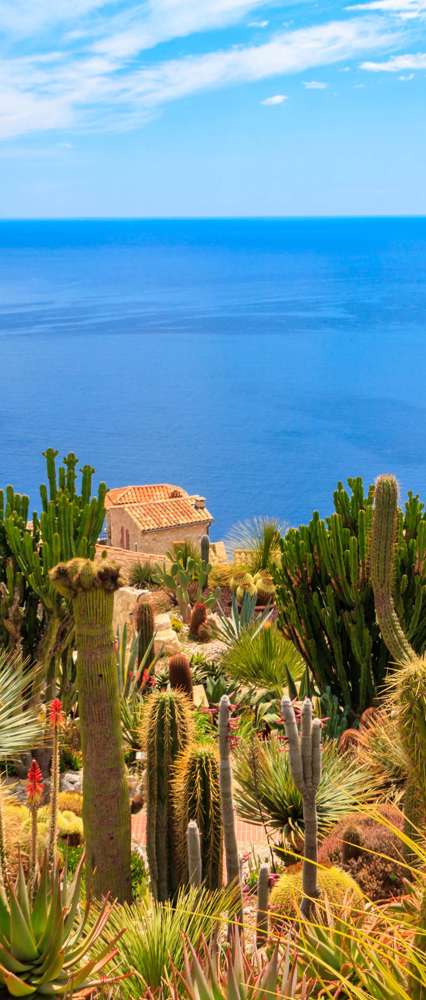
(20, 724)
(257, 542)
(156, 932)
(265, 793)
(262, 656)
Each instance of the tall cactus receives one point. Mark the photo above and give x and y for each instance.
(205, 556)
(325, 597)
(305, 763)
(262, 906)
(193, 844)
(144, 628)
(180, 674)
(226, 798)
(166, 731)
(383, 541)
(196, 796)
(89, 587)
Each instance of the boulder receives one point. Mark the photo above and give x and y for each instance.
(166, 643)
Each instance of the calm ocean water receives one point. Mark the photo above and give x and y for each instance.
(254, 361)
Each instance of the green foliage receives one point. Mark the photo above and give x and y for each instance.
(144, 627)
(262, 656)
(240, 976)
(196, 797)
(325, 596)
(142, 575)
(242, 616)
(46, 946)
(155, 933)
(265, 792)
(185, 578)
(20, 725)
(19, 619)
(258, 541)
(286, 896)
(166, 732)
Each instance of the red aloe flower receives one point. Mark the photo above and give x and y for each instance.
(56, 715)
(34, 784)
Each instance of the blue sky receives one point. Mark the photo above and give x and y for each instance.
(212, 107)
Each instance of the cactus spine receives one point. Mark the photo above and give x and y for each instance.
(198, 619)
(262, 906)
(196, 797)
(166, 732)
(144, 626)
(226, 799)
(90, 587)
(194, 853)
(384, 532)
(305, 763)
(180, 675)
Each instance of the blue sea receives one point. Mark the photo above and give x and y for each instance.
(254, 361)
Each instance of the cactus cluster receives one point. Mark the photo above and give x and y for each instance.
(288, 893)
(196, 794)
(305, 761)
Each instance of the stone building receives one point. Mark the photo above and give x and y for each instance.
(151, 518)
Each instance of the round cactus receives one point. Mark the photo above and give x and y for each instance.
(286, 896)
(180, 675)
(166, 732)
(196, 797)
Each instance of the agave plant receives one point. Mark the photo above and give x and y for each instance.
(241, 976)
(20, 725)
(264, 658)
(47, 948)
(156, 932)
(229, 628)
(134, 682)
(265, 793)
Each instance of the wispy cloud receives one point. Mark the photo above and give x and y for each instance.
(407, 10)
(258, 24)
(315, 85)
(417, 60)
(275, 99)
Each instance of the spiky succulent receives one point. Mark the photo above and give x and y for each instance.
(196, 797)
(46, 947)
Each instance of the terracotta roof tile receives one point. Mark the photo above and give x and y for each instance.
(167, 513)
(123, 495)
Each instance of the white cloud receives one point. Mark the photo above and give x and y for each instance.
(315, 85)
(397, 64)
(258, 24)
(275, 99)
(407, 10)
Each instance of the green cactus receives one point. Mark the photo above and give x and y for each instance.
(89, 587)
(305, 762)
(68, 526)
(325, 596)
(144, 628)
(262, 906)
(205, 556)
(196, 797)
(382, 557)
(166, 731)
(180, 674)
(193, 847)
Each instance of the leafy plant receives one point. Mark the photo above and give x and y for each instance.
(265, 792)
(20, 725)
(256, 542)
(142, 575)
(325, 597)
(239, 975)
(243, 616)
(263, 657)
(156, 933)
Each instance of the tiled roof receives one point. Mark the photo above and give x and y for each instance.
(168, 513)
(121, 496)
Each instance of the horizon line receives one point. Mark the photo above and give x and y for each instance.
(209, 218)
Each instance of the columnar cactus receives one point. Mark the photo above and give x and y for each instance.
(90, 587)
(166, 732)
(198, 618)
(205, 555)
(180, 675)
(305, 762)
(262, 906)
(382, 558)
(226, 799)
(193, 846)
(196, 797)
(144, 628)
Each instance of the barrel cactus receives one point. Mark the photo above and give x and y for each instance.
(166, 731)
(196, 796)
(180, 675)
(198, 619)
(286, 896)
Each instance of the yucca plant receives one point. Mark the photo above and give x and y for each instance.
(20, 725)
(242, 616)
(156, 933)
(257, 542)
(264, 658)
(265, 793)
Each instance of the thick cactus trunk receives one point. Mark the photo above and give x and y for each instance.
(106, 811)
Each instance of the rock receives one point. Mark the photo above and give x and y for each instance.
(199, 696)
(166, 643)
(162, 622)
(72, 781)
(124, 605)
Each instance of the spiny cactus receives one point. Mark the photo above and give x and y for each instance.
(180, 674)
(166, 731)
(193, 845)
(383, 539)
(262, 906)
(305, 762)
(90, 587)
(198, 618)
(226, 798)
(287, 894)
(144, 628)
(205, 556)
(196, 796)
